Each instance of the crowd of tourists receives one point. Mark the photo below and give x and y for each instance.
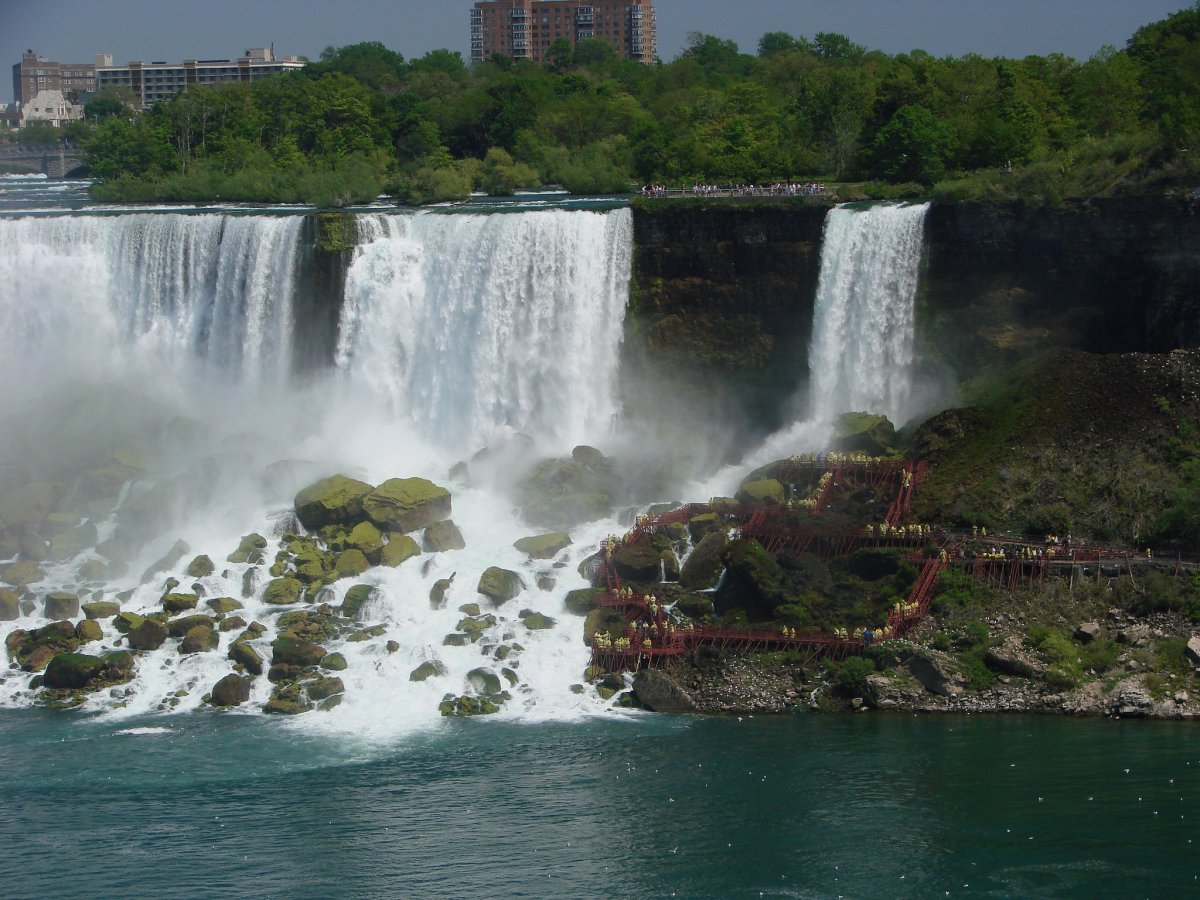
(775, 189)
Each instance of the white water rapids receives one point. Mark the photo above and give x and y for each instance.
(158, 348)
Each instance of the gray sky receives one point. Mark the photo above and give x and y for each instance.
(173, 30)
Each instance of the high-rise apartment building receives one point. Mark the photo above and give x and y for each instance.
(34, 74)
(527, 29)
(154, 81)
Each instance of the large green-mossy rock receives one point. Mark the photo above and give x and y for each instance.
(351, 563)
(640, 562)
(694, 606)
(559, 493)
(125, 622)
(61, 605)
(437, 593)
(200, 567)
(89, 630)
(582, 601)
(544, 546)
(500, 585)
(223, 605)
(10, 605)
(699, 527)
(705, 563)
(484, 681)
(101, 609)
(536, 621)
(334, 662)
(406, 504)
(753, 580)
(232, 690)
(73, 542)
(287, 700)
(249, 549)
(200, 639)
(367, 539)
(73, 671)
(471, 706)
(311, 566)
(426, 670)
(282, 591)
(606, 620)
(20, 574)
(321, 688)
(864, 432)
(356, 599)
(442, 536)
(177, 628)
(290, 651)
(764, 490)
(400, 547)
(177, 603)
(337, 499)
(246, 656)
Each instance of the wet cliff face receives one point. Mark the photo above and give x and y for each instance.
(1002, 281)
(721, 309)
(722, 306)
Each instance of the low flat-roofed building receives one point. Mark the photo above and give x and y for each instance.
(150, 82)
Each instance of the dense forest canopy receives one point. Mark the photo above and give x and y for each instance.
(364, 120)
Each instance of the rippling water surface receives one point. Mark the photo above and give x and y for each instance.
(639, 806)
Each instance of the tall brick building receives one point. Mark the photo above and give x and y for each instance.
(526, 29)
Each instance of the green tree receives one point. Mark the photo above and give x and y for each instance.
(912, 146)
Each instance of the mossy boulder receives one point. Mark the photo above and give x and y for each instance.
(246, 656)
(753, 581)
(640, 562)
(864, 432)
(484, 681)
(177, 628)
(21, 574)
(310, 566)
(705, 563)
(321, 688)
(125, 622)
(200, 639)
(223, 605)
(400, 547)
(61, 605)
(356, 599)
(366, 539)
(200, 567)
(290, 651)
(559, 493)
(335, 500)
(763, 490)
(406, 504)
(699, 527)
(73, 542)
(442, 536)
(94, 570)
(334, 662)
(536, 621)
(471, 706)
(544, 546)
(232, 690)
(283, 591)
(73, 671)
(32, 650)
(350, 564)
(694, 606)
(437, 593)
(249, 549)
(287, 700)
(470, 609)
(101, 609)
(177, 603)
(426, 670)
(149, 635)
(500, 585)
(582, 601)
(10, 605)
(88, 630)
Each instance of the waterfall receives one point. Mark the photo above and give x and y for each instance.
(862, 346)
(477, 326)
(217, 287)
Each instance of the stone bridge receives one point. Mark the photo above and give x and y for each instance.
(53, 160)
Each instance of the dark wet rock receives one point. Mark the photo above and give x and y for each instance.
(88, 630)
(426, 670)
(760, 491)
(694, 606)
(249, 550)
(73, 671)
(334, 662)
(535, 621)
(177, 628)
(125, 622)
(232, 623)
(937, 672)
(223, 605)
(232, 690)
(544, 546)
(640, 562)
(705, 564)
(437, 594)
(61, 605)
(200, 639)
(753, 581)
(582, 601)
(287, 700)
(406, 504)
(296, 652)
(471, 705)
(500, 585)
(863, 432)
(656, 691)
(702, 525)
(150, 635)
(442, 536)
(456, 640)
(470, 609)
(484, 681)
(337, 499)
(604, 619)
(324, 687)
